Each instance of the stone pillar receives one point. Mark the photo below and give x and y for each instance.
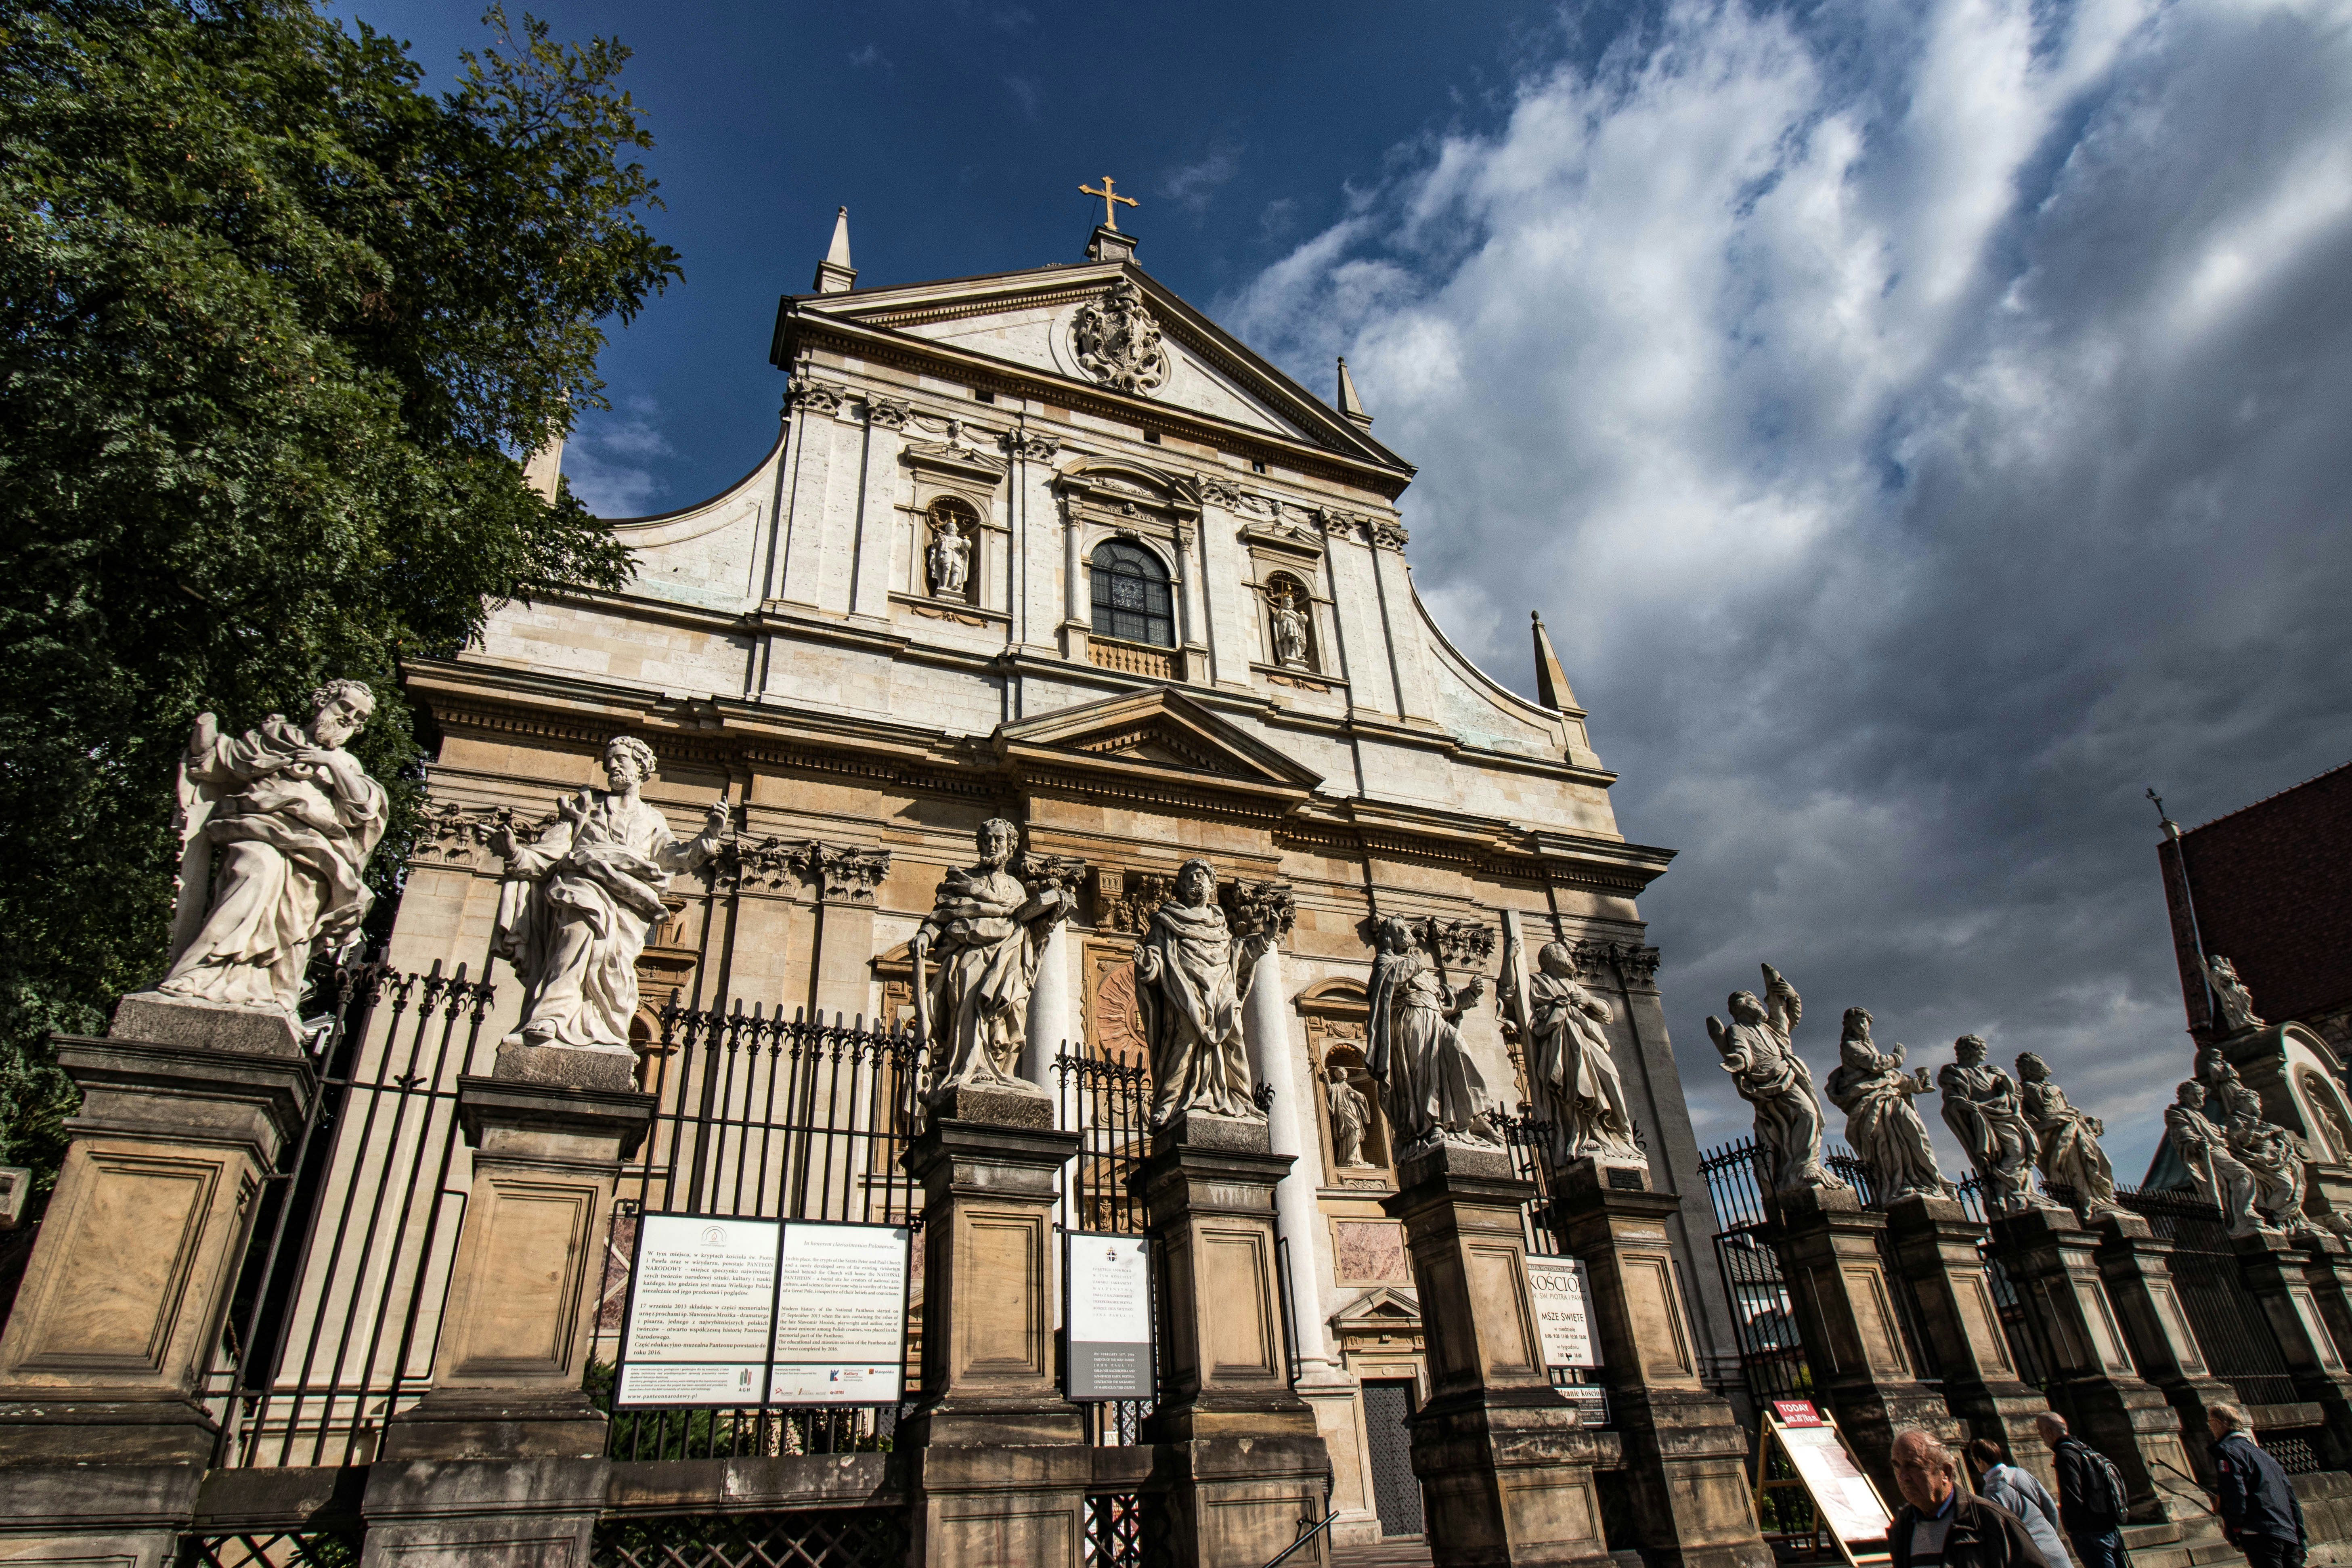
(2053, 1260)
(1828, 1245)
(1505, 1464)
(2328, 1272)
(2136, 1268)
(1050, 1024)
(1240, 1448)
(103, 1429)
(2273, 1268)
(1277, 1060)
(1686, 1452)
(1939, 1252)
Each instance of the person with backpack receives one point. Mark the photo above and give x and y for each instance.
(2260, 1512)
(2017, 1491)
(2091, 1496)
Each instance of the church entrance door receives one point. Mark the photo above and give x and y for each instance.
(1396, 1490)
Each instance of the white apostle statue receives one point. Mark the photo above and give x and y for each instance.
(1351, 1118)
(1191, 975)
(1987, 1114)
(987, 931)
(1758, 1053)
(1569, 1056)
(577, 902)
(2067, 1141)
(294, 816)
(1881, 1123)
(1429, 1088)
(950, 560)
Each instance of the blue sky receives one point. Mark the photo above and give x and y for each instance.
(1922, 424)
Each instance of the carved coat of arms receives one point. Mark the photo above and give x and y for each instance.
(1119, 342)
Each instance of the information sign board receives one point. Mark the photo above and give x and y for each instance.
(1562, 1294)
(1109, 1317)
(1846, 1507)
(841, 1315)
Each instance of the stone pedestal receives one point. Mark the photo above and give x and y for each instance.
(995, 1456)
(1241, 1451)
(2137, 1269)
(2275, 1271)
(2053, 1262)
(1938, 1252)
(1686, 1452)
(1828, 1245)
(507, 1381)
(1505, 1464)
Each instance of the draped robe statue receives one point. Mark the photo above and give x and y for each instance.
(2204, 1148)
(987, 930)
(1350, 1118)
(1871, 1087)
(1191, 975)
(1429, 1088)
(2070, 1155)
(1569, 1056)
(2270, 1155)
(295, 817)
(1766, 1071)
(1985, 1113)
(577, 902)
(2229, 994)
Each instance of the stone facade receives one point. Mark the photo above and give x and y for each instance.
(1135, 509)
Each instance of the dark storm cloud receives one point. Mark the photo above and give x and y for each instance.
(1928, 427)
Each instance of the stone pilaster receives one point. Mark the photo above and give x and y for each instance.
(1505, 1464)
(2137, 1269)
(2090, 1380)
(1828, 1245)
(1940, 1253)
(996, 1458)
(1686, 1452)
(1241, 1450)
(2273, 1268)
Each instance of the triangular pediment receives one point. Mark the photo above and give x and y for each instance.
(1025, 321)
(1161, 734)
(1387, 1307)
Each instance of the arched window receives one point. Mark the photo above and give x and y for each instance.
(1131, 593)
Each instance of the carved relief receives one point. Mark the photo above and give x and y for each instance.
(1124, 899)
(1118, 340)
(1036, 448)
(2327, 1114)
(888, 412)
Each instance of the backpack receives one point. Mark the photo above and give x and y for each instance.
(2105, 1495)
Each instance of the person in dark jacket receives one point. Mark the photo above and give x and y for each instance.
(2260, 1512)
(1941, 1524)
(2093, 1529)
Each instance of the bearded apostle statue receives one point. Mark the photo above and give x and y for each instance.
(2067, 1141)
(2272, 1154)
(2202, 1145)
(577, 901)
(1765, 1068)
(294, 818)
(1986, 1113)
(1569, 1056)
(1191, 973)
(1881, 1123)
(985, 934)
(1431, 1090)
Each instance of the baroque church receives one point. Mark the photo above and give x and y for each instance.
(1052, 546)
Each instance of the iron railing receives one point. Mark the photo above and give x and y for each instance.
(2232, 1332)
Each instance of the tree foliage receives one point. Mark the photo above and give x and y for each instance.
(274, 326)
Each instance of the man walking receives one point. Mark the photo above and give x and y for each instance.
(1941, 1525)
(2000, 1481)
(2259, 1510)
(2090, 1496)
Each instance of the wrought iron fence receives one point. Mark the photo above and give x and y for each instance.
(1529, 1138)
(828, 1537)
(1106, 1100)
(332, 1328)
(270, 1549)
(762, 1116)
(2232, 1331)
(1771, 1356)
(2024, 1351)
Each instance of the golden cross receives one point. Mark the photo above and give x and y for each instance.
(1109, 194)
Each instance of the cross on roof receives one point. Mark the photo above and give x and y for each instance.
(1111, 200)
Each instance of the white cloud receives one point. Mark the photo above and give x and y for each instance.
(1925, 424)
(609, 461)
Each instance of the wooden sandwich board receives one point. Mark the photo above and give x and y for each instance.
(1846, 1507)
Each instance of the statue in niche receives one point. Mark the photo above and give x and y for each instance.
(295, 817)
(1351, 1118)
(2327, 1110)
(2068, 1139)
(1871, 1087)
(577, 901)
(1568, 1055)
(2274, 1156)
(1429, 1088)
(949, 558)
(2229, 994)
(1766, 1071)
(1190, 976)
(1290, 625)
(987, 930)
(2204, 1148)
(1986, 1113)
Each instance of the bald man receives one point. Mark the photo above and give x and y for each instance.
(1941, 1524)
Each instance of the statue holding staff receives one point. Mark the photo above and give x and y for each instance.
(2204, 1148)
(987, 930)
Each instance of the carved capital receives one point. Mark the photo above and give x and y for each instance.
(1219, 492)
(1259, 909)
(1462, 944)
(1061, 873)
(817, 396)
(1037, 448)
(888, 412)
(1389, 535)
(454, 835)
(853, 876)
(1124, 899)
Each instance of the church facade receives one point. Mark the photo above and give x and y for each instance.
(1051, 546)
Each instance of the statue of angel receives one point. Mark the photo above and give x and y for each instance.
(1985, 1113)
(1766, 1071)
(294, 818)
(1871, 1087)
(2068, 1141)
(577, 901)
(988, 930)
(1190, 976)
(1431, 1088)
(2237, 1003)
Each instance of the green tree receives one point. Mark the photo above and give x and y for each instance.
(276, 326)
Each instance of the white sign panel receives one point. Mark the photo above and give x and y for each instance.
(1563, 1302)
(841, 1315)
(1849, 1505)
(700, 1300)
(1110, 1315)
